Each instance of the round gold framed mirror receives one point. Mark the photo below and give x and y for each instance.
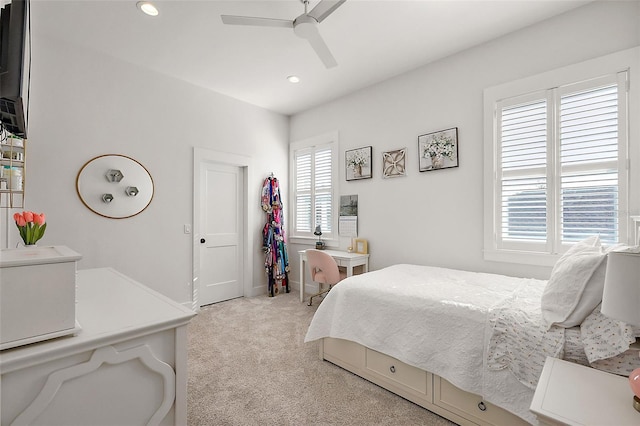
(115, 186)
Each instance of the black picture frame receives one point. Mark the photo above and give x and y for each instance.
(357, 163)
(438, 150)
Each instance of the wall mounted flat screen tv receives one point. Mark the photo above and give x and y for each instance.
(14, 67)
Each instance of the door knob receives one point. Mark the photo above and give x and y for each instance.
(202, 240)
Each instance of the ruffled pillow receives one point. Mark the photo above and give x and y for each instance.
(576, 284)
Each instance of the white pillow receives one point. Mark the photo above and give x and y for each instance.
(592, 295)
(565, 300)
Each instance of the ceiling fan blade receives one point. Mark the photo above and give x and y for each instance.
(322, 50)
(258, 22)
(324, 9)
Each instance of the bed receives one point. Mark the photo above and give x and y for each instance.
(467, 345)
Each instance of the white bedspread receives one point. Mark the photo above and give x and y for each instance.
(431, 318)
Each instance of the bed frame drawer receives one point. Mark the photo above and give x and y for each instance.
(392, 369)
(471, 406)
(416, 385)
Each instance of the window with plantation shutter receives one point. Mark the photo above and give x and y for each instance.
(323, 185)
(302, 185)
(589, 121)
(523, 170)
(560, 166)
(314, 174)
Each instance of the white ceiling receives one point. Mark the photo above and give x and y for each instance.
(371, 40)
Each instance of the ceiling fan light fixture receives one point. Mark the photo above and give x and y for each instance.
(305, 27)
(148, 8)
(293, 79)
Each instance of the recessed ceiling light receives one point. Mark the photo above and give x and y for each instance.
(148, 8)
(293, 79)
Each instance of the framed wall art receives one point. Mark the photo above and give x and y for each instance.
(438, 150)
(358, 163)
(393, 163)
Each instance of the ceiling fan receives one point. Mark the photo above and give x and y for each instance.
(304, 26)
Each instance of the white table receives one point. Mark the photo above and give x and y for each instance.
(127, 365)
(572, 394)
(343, 258)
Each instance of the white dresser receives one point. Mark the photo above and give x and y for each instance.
(126, 366)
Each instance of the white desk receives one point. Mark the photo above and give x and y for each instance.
(572, 394)
(343, 258)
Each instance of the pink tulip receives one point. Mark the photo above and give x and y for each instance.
(17, 216)
(28, 216)
(39, 219)
(20, 221)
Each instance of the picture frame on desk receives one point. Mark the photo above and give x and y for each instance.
(360, 246)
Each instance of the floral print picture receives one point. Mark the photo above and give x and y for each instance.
(438, 150)
(358, 163)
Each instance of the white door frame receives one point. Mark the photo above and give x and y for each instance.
(201, 155)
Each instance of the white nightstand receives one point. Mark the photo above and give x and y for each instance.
(571, 394)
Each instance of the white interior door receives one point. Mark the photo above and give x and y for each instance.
(221, 236)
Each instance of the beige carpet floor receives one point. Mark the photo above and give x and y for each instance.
(248, 365)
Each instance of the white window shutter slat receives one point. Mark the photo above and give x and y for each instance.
(589, 143)
(523, 159)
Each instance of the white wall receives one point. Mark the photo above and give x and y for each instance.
(435, 218)
(85, 104)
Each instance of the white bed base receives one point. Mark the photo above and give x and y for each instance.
(421, 387)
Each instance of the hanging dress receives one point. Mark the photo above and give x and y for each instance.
(276, 262)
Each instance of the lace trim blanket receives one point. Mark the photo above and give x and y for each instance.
(605, 338)
(520, 341)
